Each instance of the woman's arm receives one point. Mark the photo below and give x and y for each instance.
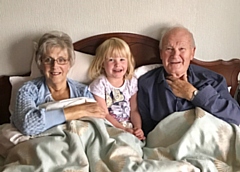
(27, 117)
(90, 109)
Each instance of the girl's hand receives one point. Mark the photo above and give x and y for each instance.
(138, 132)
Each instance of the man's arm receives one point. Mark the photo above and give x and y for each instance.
(219, 103)
(214, 99)
(181, 87)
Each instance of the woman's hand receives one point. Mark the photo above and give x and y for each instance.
(130, 130)
(90, 109)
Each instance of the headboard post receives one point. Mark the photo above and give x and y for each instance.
(5, 96)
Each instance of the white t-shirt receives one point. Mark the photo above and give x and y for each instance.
(117, 99)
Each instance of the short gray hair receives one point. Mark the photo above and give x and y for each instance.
(54, 39)
(168, 29)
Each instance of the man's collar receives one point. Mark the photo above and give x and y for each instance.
(163, 74)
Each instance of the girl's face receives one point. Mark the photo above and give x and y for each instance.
(55, 66)
(115, 66)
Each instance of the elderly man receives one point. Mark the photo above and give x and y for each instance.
(179, 85)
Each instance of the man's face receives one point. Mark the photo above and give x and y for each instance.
(177, 51)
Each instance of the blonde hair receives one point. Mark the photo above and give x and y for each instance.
(111, 47)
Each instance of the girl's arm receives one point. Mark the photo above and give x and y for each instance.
(135, 118)
(102, 103)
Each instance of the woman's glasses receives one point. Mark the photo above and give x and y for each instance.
(50, 60)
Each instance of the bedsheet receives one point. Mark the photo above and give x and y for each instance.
(191, 140)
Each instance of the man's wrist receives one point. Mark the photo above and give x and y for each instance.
(194, 94)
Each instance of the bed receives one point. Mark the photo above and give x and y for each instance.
(115, 150)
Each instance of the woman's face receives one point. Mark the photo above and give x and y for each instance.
(55, 66)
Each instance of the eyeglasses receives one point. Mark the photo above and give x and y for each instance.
(50, 60)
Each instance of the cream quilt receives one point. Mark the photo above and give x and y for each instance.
(189, 141)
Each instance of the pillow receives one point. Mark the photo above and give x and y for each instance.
(16, 82)
(77, 72)
(229, 88)
(143, 69)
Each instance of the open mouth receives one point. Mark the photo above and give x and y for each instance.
(55, 73)
(118, 70)
(175, 62)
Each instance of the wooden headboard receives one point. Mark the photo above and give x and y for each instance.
(145, 51)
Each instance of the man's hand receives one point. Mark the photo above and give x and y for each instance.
(181, 87)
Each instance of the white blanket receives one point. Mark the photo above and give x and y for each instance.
(192, 140)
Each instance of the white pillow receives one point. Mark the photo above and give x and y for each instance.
(16, 82)
(77, 72)
(229, 88)
(35, 72)
(143, 69)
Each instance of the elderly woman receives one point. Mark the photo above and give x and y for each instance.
(54, 57)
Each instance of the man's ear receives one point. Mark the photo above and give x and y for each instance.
(160, 52)
(193, 52)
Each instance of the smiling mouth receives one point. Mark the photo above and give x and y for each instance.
(118, 70)
(175, 62)
(55, 73)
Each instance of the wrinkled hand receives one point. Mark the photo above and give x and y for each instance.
(181, 87)
(130, 130)
(138, 132)
(90, 109)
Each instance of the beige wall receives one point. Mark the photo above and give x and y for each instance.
(215, 24)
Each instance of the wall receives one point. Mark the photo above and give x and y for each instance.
(215, 24)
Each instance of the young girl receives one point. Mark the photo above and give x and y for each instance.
(114, 87)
